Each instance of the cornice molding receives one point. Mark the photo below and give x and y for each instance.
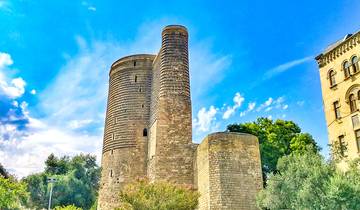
(348, 44)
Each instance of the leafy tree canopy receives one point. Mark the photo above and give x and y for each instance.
(307, 181)
(12, 193)
(142, 195)
(276, 138)
(70, 207)
(77, 182)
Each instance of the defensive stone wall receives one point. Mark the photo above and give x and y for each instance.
(228, 171)
(126, 131)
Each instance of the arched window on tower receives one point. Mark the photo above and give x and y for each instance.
(355, 64)
(346, 69)
(145, 133)
(352, 102)
(332, 78)
(135, 79)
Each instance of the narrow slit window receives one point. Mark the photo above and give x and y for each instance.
(135, 79)
(134, 63)
(337, 110)
(145, 132)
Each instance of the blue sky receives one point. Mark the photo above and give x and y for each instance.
(247, 59)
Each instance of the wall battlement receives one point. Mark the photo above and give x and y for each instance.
(148, 133)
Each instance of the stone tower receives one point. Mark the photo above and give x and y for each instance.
(127, 117)
(339, 71)
(148, 133)
(170, 146)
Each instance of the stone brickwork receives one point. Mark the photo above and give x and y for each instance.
(229, 171)
(148, 133)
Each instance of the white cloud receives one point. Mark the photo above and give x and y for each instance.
(92, 8)
(205, 119)
(285, 67)
(13, 90)
(75, 124)
(33, 92)
(5, 58)
(230, 110)
(16, 87)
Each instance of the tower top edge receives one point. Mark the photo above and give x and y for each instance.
(132, 58)
(175, 28)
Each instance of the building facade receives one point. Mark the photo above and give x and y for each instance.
(340, 83)
(148, 133)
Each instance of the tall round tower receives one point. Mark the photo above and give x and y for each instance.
(126, 131)
(171, 155)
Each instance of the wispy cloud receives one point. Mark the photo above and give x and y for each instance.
(285, 67)
(230, 110)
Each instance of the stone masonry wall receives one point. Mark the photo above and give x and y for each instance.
(229, 171)
(174, 153)
(127, 117)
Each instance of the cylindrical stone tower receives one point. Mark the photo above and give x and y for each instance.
(171, 156)
(126, 126)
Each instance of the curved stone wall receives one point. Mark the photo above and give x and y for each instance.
(228, 171)
(126, 126)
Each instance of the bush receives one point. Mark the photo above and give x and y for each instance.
(70, 207)
(143, 195)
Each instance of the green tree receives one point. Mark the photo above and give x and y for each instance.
(142, 195)
(12, 193)
(307, 181)
(3, 172)
(276, 138)
(70, 207)
(77, 182)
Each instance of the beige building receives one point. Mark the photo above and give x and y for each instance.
(148, 133)
(340, 83)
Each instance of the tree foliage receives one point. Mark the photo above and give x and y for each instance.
(77, 182)
(307, 181)
(142, 195)
(70, 207)
(12, 193)
(276, 138)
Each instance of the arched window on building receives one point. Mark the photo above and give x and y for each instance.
(346, 69)
(355, 64)
(352, 102)
(145, 133)
(332, 78)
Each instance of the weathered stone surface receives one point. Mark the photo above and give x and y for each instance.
(148, 133)
(228, 171)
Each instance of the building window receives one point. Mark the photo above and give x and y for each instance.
(135, 79)
(358, 95)
(355, 64)
(346, 69)
(341, 145)
(332, 78)
(352, 102)
(355, 121)
(337, 109)
(357, 136)
(145, 133)
(111, 173)
(134, 63)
